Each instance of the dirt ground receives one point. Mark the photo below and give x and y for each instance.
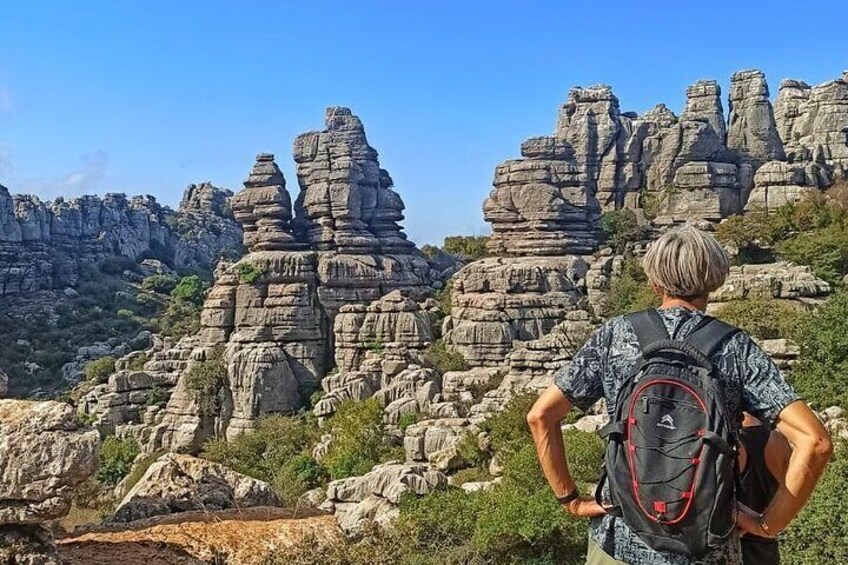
(233, 537)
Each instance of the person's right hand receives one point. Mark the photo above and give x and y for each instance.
(585, 508)
(749, 522)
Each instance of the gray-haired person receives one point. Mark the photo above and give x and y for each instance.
(683, 266)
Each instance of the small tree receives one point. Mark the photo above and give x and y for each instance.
(116, 459)
(98, 371)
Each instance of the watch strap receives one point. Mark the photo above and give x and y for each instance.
(570, 497)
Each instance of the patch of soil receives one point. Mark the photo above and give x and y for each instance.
(230, 537)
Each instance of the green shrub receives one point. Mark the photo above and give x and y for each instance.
(471, 475)
(429, 251)
(763, 318)
(629, 292)
(825, 250)
(508, 429)
(821, 372)
(162, 284)
(98, 371)
(157, 396)
(278, 451)
(443, 297)
(116, 459)
(359, 439)
(376, 347)
(820, 533)
(180, 319)
(205, 379)
(620, 227)
(136, 363)
(408, 419)
(469, 246)
(139, 469)
(248, 273)
(190, 289)
(117, 265)
(442, 359)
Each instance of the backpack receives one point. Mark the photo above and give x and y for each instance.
(670, 460)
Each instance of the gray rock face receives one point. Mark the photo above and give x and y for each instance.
(346, 202)
(43, 244)
(374, 497)
(778, 183)
(496, 302)
(27, 545)
(752, 130)
(44, 454)
(4, 383)
(813, 122)
(180, 483)
(703, 102)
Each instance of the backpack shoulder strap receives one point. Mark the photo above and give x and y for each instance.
(649, 327)
(709, 334)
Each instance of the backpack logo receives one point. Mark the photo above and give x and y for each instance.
(666, 422)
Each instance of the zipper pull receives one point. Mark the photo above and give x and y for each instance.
(645, 407)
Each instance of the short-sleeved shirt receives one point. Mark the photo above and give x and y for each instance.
(747, 380)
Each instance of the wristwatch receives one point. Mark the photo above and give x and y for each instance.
(570, 497)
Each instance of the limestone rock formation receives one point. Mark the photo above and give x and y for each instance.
(780, 280)
(4, 383)
(374, 496)
(497, 301)
(752, 130)
(703, 102)
(813, 122)
(180, 483)
(778, 183)
(27, 545)
(347, 202)
(44, 454)
(43, 244)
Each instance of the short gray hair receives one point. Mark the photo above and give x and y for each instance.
(686, 262)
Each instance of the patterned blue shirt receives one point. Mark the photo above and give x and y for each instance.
(748, 380)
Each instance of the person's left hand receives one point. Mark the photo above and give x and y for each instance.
(749, 522)
(585, 508)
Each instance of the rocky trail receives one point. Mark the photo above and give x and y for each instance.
(229, 537)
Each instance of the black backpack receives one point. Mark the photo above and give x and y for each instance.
(671, 454)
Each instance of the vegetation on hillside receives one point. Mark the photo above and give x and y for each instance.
(812, 231)
(763, 317)
(620, 227)
(629, 291)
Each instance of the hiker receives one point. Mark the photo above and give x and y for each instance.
(678, 414)
(763, 460)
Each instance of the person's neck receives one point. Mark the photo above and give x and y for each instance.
(693, 303)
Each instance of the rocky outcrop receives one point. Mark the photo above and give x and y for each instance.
(346, 203)
(374, 497)
(778, 183)
(180, 483)
(43, 244)
(751, 130)
(813, 122)
(44, 454)
(771, 280)
(497, 301)
(703, 103)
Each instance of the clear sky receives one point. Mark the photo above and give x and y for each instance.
(148, 96)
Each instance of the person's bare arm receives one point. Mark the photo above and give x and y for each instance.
(544, 420)
(777, 455)
(811, 450)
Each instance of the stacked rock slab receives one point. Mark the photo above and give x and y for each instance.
(778, 183)
(263, 317)
(348, 212)
(813, 122)
(379, 354)
(751, 130)
(497, 301)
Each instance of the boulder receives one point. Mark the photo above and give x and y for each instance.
(28, 545)
(180, 483)
(44, 454)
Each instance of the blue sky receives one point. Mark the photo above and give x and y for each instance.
(148, 96)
